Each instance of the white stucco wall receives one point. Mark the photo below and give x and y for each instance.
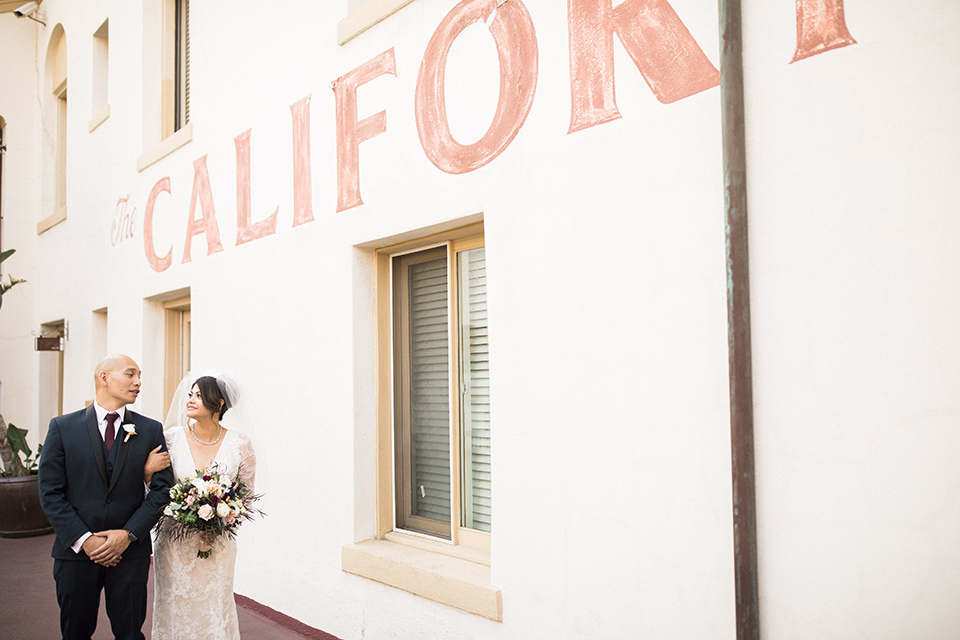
(19, 198)
(854, 226)
(605, 253)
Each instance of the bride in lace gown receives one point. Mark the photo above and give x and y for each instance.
(193, 596)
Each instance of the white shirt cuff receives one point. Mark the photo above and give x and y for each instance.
(78, 545)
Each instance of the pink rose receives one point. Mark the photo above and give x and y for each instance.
(205, 512)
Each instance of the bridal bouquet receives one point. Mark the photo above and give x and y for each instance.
(210, 504)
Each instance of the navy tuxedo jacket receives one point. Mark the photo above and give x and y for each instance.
(78, 492)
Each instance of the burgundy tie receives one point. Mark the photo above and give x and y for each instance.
(109, 435)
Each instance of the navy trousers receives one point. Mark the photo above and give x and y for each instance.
(79, 583)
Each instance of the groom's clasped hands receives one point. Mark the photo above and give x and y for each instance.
(106, 547)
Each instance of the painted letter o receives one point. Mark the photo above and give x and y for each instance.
(516, 41)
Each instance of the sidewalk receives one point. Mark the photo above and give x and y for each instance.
(28, 602)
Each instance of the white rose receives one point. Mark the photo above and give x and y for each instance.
(205, 512)
(223, 509)
(199, 483)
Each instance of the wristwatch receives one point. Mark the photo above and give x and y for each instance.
(131, 537)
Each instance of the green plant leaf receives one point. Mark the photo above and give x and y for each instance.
(18, 440)
(6, 254)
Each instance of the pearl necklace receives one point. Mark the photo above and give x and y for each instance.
(194, 434)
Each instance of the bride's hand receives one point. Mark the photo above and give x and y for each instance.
(156, 461)
(206, 540)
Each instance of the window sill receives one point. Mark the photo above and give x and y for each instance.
(167, 146)
(372, 12)
(449, 580)
(98, 118)
(53, 219)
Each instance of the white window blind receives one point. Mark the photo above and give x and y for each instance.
(474, 390)
(429, 390)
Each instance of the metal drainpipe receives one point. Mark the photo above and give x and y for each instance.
(738, 322)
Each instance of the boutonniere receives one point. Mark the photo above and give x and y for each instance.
(131, 431)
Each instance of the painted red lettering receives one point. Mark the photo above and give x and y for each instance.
(302, 184)
(670, 60)
(120, 217)
(350, 131)
(247, 230)
(156, 263)
(207, 224)
(820, 27)
(516, 41)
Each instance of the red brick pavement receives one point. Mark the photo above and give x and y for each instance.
(28, 602)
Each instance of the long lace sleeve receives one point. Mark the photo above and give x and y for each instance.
(248, 464)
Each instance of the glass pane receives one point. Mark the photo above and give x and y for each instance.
(474, 389)
(429, 390)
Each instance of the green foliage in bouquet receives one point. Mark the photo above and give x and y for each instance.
(210, 504)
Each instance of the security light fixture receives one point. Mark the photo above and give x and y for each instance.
(29, 10)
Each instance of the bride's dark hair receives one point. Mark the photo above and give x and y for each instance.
(211, 395)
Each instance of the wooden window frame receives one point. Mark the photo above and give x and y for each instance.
(462, 542)
(170, 125)
(59, 213)
(176, 316)
(55, 119)
(176, 67)
(454, 572)
(100, 79)
(60, 194)
(403, 467)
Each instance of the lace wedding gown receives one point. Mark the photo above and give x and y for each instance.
(193, 597)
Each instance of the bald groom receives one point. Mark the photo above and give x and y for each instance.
(92, 490)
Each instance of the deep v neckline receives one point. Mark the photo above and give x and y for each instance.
(187, 435)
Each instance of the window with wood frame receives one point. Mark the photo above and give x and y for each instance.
(177, 325)
(176, 72)
(60, 161)
(55, 121)
(433, 431)
(99, 79)
(441, 391)
(168, 124)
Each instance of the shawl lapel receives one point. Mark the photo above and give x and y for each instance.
(94, 432)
